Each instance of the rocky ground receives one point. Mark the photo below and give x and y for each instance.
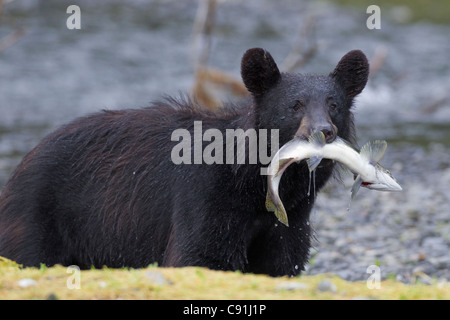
(406, 234)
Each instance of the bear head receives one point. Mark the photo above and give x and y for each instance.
(300, 104)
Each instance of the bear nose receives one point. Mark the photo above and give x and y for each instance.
(329, 131)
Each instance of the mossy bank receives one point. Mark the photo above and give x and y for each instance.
(193, 283)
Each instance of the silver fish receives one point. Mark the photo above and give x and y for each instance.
(364, 163)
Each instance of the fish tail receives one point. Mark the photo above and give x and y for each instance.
(374, 151)
(356, 186)
(277, 208)
(313, 163)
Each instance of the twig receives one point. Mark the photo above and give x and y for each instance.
(211, 85)
(12, 38)
(436, 104)
(202, 31)
(377, 60)
(299, 56)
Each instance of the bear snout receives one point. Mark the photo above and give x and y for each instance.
(329, 130)
(306, 129)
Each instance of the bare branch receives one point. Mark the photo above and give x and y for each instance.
(304, 48)
(202, 31)
(12, 38)
(213, 86)
(437, 103)
(377, 60)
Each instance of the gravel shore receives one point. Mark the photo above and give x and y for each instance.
(406, 234)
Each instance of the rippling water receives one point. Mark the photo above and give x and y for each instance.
(126, 55)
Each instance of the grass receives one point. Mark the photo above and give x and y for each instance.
(192, 283)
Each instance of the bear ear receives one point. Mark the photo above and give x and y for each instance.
(352, 72)
(259, 71)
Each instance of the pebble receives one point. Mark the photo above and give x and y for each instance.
(327, 285)
(26, 282)
(364, 298)
(291, 286)
(52, 296)
(157, 278)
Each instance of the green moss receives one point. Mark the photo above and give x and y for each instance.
(195, 283)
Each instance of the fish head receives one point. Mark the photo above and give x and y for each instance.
(384, 181)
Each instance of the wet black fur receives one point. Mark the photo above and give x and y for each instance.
(103, 190)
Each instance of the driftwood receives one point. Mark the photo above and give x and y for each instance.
(303, 49)
(13, 37)
(377, 61)
(211, 86)
(437, 103)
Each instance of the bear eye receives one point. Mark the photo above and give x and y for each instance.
(299, 105)
(333, 107)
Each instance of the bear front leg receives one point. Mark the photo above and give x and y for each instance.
(281, 250)
(212, 244)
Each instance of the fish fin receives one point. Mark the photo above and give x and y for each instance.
(317, 139)
(341, 170)
(277, 209)
(356, 186)
(313, 162)
(373, 151)
(270, 206)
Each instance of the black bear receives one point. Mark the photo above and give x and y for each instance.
(104, 190)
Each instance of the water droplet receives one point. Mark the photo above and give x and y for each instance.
(307, 223)
(349, 205)
(296, 267)
(282, 117)
(314, 182)
(309, 186)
